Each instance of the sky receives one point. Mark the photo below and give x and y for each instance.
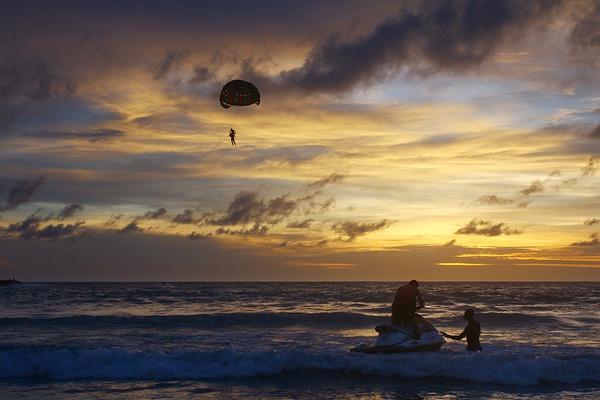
(394, 140)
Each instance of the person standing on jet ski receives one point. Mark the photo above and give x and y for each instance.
(405, 306)
(471, 332)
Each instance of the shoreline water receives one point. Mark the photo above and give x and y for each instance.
(257, 339)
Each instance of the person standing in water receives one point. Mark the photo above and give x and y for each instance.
(471, 332)
(232, 136)
(405, 306)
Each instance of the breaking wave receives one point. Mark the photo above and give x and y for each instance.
(530, 366)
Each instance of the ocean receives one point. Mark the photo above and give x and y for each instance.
(291, 341)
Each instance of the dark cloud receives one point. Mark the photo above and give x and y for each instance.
(352, 229)
(522, 198)
(591, 167)
(202, 74)
(594, 240)
(21, 193)
(247, 207)
(486, 228)
(198, 236)
(436, 36)
(333, 178)
(69, 210)
(492, 199)
(186, 217)
(33, 80)
(97, 135)
(534, 187)
(171, 59)
(155, 214)
(112, 221)
(24, 82)
(301, 224)
(256, 230)
(450, 243)
(524, 203)
(586, 32)
(591, 221)
(315, 206)
(595, 133)
(31, 228)
(279, 207)
(26, 228)
(60, 231)
(132, 227)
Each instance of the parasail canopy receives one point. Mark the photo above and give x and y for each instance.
(239, 93)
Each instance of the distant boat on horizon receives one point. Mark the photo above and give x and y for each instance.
(11, 281)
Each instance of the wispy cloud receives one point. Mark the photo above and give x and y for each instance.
(353, 229)
(594, 240)
(487, 228)
(21, 192)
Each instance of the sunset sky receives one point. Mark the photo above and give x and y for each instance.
(438, 140)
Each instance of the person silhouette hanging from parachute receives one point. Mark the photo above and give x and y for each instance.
(238, 93)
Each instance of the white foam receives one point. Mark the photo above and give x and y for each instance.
(523, 367)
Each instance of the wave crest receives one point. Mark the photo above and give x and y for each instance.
(497, 366)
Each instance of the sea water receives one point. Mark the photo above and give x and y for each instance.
(291, 340)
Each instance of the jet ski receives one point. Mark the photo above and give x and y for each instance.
(399, 339)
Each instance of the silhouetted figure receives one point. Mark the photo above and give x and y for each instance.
(405, 306)
(471, 332)
(232, 136)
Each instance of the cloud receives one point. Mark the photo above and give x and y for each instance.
(97, 135)
(131, 227)
(69, 210)
(586, 32)
(156, 214)
(331, 179)
(594, 240)
(198, 236)
(352, 229)
(438, 36)
(31, 228)
(60, 231)
(246, 208)
(25, 228)
(134, 225)
(486, 228)
(534, 187)
(202, 74)
(186, 217)
(21, 192)
(591, 167)
(539, 186)
(34, 80)
(256, 230)
(112, 221)
(491, 199)
(27, 82)
(591, 221)
(595, 133)
(450, 243)
(301, 224)
(171, 59)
